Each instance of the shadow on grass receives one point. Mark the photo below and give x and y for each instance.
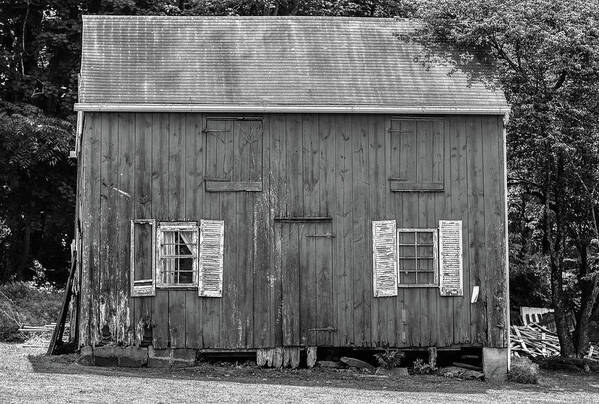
(316, 377)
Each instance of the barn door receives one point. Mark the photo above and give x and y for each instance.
(306, 259)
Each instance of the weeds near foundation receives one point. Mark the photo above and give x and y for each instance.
(523, 370)
(421, 367)
(389, 359)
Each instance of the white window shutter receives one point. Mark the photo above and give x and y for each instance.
(212, 241)
(384, 258)
(450, 258)
(143, 257)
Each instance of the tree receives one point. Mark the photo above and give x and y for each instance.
(37, 196)
(40, 52)
(547, 57)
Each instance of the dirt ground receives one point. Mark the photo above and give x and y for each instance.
(28, 376)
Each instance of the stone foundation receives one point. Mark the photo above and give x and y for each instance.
(495, 364)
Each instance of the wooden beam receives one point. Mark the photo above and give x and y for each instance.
(410, 186)
(295, 219)
(230, 186)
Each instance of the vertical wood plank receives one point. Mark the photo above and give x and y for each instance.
(392, 316)
(461, 304)
(444, 211)
(361, 227)
(106, 283)
(426, 209)
(263, 246)
(476, 251)
(409, 219)
(194, 205)
(290, 267)
(176, 209)
(494, 236)
(142, 154)
(124, 214)
(160, 204)
(211, 309)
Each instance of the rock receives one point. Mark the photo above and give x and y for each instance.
(357, 363)
(460, 373)
(401, 372)
(395, 372)
(330, 364)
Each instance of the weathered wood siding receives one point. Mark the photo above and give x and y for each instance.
(285, 282)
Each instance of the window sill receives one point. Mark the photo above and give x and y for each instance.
(167, 287)
(417, 286)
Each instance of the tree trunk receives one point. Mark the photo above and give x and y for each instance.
(589, 289)
(24, 259)
(556, 257)
(561, 320)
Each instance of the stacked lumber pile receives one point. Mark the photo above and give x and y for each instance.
(537, 342)
(39, 334)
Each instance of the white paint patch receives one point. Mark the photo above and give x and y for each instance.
(126, 194)
(475, 291)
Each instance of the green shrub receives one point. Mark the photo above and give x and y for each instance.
(25, 303)
(523, 370)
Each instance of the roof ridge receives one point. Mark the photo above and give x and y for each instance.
(241, 17)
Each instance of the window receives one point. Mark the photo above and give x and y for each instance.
(420, 258)
(177, 254)
(417, 257)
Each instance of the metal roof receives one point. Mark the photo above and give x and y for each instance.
(279, 64)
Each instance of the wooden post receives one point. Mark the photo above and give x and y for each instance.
(432, 357)
(311, 356)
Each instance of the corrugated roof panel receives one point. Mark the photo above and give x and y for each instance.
(271, 61)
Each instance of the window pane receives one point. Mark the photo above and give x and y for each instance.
(425, 237)
(425, 251)
(406, 238)
(409, 278)
(407, 252)
(426, 277)
(407, 264)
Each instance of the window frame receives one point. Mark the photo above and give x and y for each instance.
(435, 257)
(191, 226)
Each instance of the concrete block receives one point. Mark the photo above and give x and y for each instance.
(133, 357)
(159, 353)
(184, 354)
(105, 356)
(159, 358)
(495, 363)
(86, 356)
(171, 357)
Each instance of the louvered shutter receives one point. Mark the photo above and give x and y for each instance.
(212, 241)
(384, 258)
(450, 258)
(143, 257)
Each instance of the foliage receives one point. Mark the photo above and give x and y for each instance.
(390, 358)
(39, 61)
(420, 367)
(547, 57)
(25, 303)
(37, 197)
(523, 370)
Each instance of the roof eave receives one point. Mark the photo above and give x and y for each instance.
(317, 109)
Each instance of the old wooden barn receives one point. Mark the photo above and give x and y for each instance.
(283, 183)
